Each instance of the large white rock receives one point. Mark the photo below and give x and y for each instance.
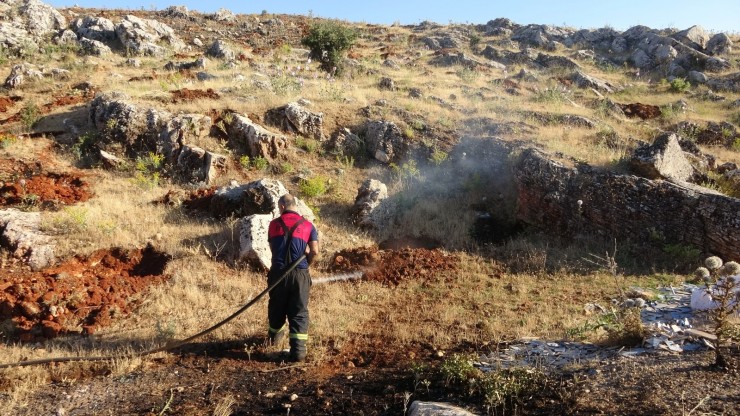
(21, 233)
(253, 244)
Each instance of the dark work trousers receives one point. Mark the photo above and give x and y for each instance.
(290, 299)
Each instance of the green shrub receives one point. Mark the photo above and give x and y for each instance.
(285, 167)
(259, 163)
(328, 41)
(148, 170)
(84, 145)
(314, 187)
(244, 161)
(679, 85)
(438, 157)
(30, 114)
(309, 145)
(7, 140)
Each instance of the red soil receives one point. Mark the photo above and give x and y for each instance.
(79, 295)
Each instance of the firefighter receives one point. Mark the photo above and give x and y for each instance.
(290, 235)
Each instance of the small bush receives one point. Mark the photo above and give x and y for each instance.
(260, 163)
(244, 162)
(7, 140)
(328, 41)
(30, 114)
(285, 167)
(314, 187)
(723, 288)
(438, 157)
(148, 170)
(679, 85)
(309, 145)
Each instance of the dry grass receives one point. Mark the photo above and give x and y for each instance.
(526, 287)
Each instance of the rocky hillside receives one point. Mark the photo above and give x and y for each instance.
(142, 154)
(208, 100)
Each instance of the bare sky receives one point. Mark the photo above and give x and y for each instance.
(713, 15)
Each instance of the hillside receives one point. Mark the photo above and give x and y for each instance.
(466, 181)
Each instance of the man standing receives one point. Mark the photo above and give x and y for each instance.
(290, 236)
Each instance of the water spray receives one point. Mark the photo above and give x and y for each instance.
(337, 278)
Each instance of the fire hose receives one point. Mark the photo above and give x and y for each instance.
(168, 346)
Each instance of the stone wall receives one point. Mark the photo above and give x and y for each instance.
(624, 206)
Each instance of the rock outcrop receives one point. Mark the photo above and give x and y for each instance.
(370, 194)
(624, 206)
(664, 159)
(384, 141)
(258, 141)
(144, 36)
(22, 235)
(258, 197)
(296, 119)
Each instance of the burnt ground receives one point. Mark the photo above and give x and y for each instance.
(359, 377)
(643, 111)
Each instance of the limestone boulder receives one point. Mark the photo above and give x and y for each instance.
(144, 36)
(540, 36)
(220, 50)
(254, 247)
(67, 37)
(94, 28)
(297, 119)
(180, 130)
(664, 159)
(13, 36)
(40, 18)
(120, 121)
(258, 197)
(94, 47)
(695, 37)
(22, 236)
(224, 15)
(385, 141)
(197, 165)
(584, 80)
(719, 44)
(177, 12)
(257, 140)
(370, 194)
(22, 73)
(729, 83)
(346, 142)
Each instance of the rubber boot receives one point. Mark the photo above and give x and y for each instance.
(298, 350)
(275, 338)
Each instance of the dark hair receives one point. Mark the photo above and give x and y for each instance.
(287, 201)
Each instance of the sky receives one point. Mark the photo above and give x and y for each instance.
(713, 15)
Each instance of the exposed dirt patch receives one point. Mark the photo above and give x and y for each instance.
(79, 295)
(190, 95)
(143, 78)
(199, 199)
(393, 266)
(60, 101)
(7, 102)
(643, 111)
(22, 183)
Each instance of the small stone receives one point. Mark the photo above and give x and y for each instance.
(293, 397)
(440, 354)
